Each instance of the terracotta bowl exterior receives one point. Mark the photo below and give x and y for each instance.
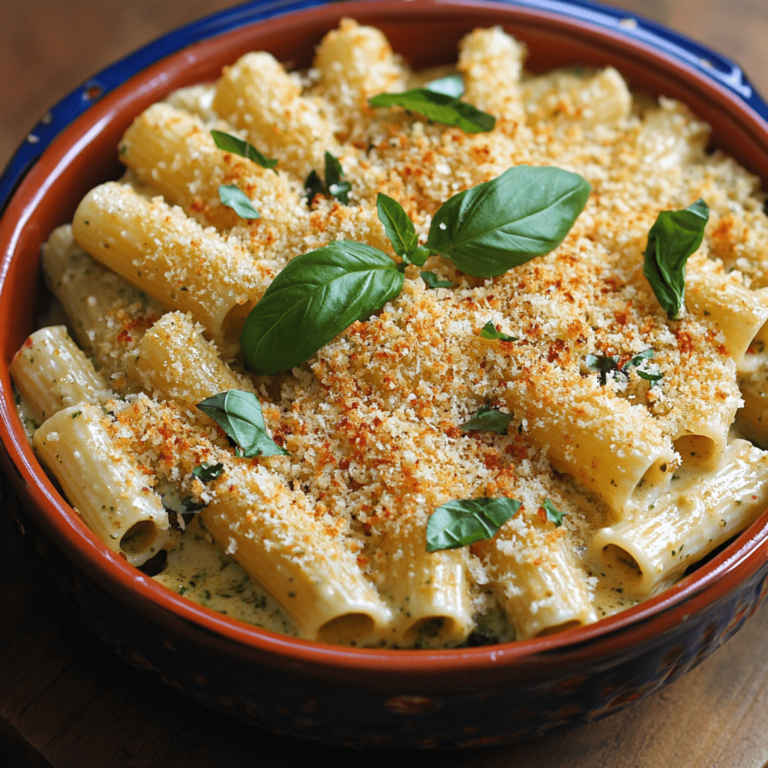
(346, 696)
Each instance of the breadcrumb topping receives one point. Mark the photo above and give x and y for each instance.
(372, 422)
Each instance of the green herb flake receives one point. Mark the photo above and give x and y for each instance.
(654, 378)
(239, 414)
(603, 364)
(673, 238)
(313, 299)
(554, 515)
(238, 201)
(487, 419)
(489, 332)
(238, 146)
(433, 281)
(207, 472)
(76, 414)
(607, 365)
(639, 359)
(463, 522)
(440, 107)
(335, 183)
(503, 223)
(313, 186)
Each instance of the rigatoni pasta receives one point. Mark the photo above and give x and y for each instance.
(171, 257)
(105, 485)
(53, 373)
(475, 459)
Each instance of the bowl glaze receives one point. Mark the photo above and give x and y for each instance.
(346, 696)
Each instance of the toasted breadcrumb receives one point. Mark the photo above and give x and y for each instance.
(372, 421)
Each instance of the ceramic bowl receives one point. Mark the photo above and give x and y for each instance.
(347, 696)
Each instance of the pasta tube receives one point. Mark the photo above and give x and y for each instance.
(491, 62)
(107, 315)
(564, 96)
(257, 95)
(355, 63)
(266, 528)
(694, 517)
(105, 486)
(172, 258)
(739, 313)
(175, 360)
(175, 153)
(273, 535)
(428, 591)
(612, 447)
(752, 419)
(52, 373)
(537, 580)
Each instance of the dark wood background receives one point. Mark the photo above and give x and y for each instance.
(66, 701)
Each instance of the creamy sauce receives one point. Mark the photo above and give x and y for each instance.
(200, 571)
(609, 597)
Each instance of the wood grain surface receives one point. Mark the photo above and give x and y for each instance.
(66, 701)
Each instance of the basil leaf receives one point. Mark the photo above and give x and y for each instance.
(237, 146)
(604, 364)
(334, 175)
(313, 299)
(238, 201)
(239, 415)
(420, 255)
(397, 226)
(489, 332)
(487, 420)
(502, 223)
(554, 515)
(313, 186)
(207, 472)
(450, 85)
(465, 521)
(433, 281)
(674, 236)
(439, 107)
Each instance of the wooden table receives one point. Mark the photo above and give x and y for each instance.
(66, 701)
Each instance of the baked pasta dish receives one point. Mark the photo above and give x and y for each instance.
(408, 359)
